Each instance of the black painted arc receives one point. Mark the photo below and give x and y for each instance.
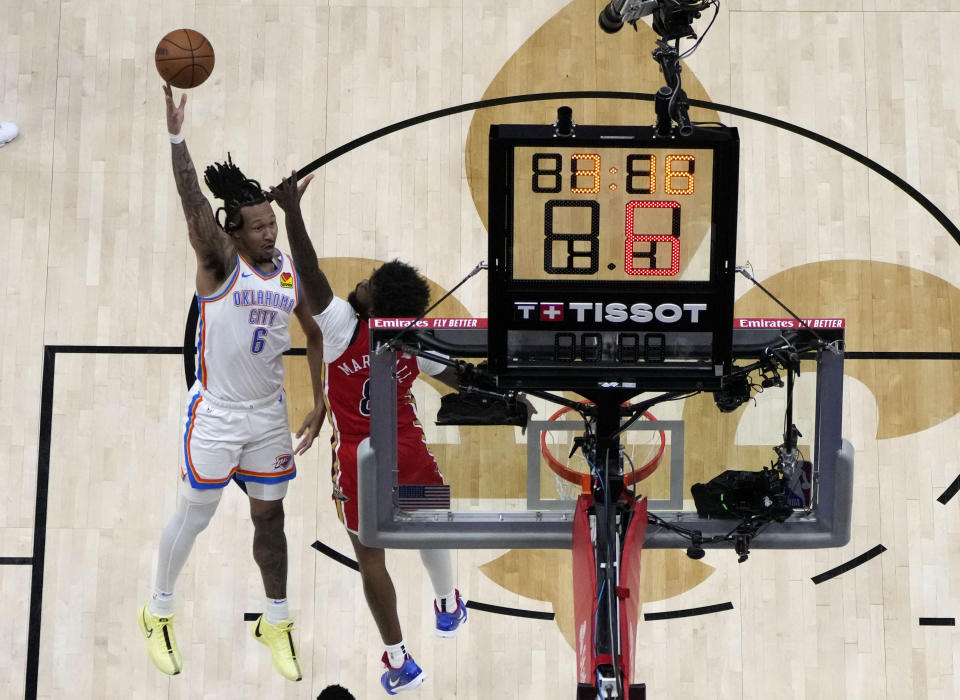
(43, 473)
(513, 612)
(193, 316)
(915, 194)
(335, 555)
(950, 492)
(898, 355)
(688, 612)
(189, 342)
(485, 607)
(852, 564)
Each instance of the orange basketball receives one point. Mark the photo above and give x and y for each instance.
(184, 58)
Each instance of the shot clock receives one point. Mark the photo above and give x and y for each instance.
(651, 197)
(611, 256)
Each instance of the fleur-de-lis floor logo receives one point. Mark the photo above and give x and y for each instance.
(570, 53)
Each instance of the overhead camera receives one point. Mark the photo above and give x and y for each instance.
(738, 495)
(733, 393)
(672, 19)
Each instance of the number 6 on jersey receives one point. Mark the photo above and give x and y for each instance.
(256, 346)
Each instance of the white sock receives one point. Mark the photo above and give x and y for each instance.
(161, 604)
(396, 654)
(277, 610)
(448, 602)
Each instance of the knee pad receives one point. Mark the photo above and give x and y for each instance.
(194, 512)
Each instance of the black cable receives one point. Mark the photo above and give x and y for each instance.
(610, 576)
(645, 406)
(399, 334)
(633, 469)
(716, 11)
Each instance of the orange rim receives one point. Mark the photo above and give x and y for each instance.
(575, 477)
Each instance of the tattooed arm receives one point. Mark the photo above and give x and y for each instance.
(215, 251)
(316, 288)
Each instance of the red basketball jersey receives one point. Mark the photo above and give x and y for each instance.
(347, 388)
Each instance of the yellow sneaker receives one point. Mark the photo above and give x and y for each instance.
(161, 644)
(279, 638)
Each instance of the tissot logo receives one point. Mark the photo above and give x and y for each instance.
(598, 312)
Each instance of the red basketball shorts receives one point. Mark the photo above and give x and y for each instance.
(416, 463)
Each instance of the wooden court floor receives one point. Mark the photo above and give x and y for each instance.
(98, 259)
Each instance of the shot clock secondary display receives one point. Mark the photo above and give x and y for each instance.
(611, 256)
(611, 213)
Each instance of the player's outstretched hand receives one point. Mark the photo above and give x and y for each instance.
(174, 113)
(288, 193)
(310, 428)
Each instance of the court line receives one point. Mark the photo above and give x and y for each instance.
(852, 564)
(905, 186)
(43, 472)
(938, 621)
(476, 605)
(950, 491)
(514, 612)
(335, 555)
(689, 612)
(896, 355)
(40, 522)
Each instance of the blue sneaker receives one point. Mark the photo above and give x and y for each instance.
(407, 677)
(449, 622)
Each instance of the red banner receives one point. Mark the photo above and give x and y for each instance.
(426, 323)
(814, 323)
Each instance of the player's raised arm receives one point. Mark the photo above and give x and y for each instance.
(210, 243)
(316, 288)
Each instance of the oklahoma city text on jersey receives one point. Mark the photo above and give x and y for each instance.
(264, 298)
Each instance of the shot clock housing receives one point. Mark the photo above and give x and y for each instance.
(611, 257)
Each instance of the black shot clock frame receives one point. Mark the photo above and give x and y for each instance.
(611, 253)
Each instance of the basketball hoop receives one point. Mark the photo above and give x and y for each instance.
(569, 480)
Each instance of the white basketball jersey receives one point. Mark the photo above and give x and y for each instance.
(244, 330)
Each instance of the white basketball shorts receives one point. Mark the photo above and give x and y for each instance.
(250, 440)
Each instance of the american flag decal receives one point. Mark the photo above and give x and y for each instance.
(416, 496)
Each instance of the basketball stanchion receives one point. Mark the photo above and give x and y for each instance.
(586, 604)
(607, 523)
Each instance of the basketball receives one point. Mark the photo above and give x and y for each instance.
(184, 58)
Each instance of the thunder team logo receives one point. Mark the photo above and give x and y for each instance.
(282, 462)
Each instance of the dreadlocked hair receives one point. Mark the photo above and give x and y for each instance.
(229, 184)
(398, 291)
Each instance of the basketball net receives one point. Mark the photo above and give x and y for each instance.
(571, 473)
